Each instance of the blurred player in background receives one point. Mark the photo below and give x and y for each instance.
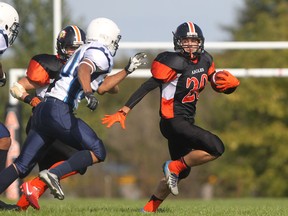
(85, 72)
(41, 71)
(9, 25)
(181, 76)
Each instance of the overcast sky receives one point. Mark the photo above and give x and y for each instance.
(154, 20)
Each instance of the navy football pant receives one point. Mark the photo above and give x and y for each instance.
(54, 119)
(4, 132)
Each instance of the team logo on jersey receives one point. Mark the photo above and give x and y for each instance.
(198, 70)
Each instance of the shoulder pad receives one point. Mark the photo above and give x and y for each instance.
(207, 56)
(172, 60)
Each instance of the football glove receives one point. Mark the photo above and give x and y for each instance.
(225, 80)
(3, 80)
(136, 61)
(33, 101)
(92, 101)
(119, 116)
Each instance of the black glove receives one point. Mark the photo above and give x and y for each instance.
(92, 101)
(135, 61)
(3, 80)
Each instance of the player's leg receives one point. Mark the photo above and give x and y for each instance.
(93, 152)
(33, 189)
(5, 143)
(160, 194)
(201, 145)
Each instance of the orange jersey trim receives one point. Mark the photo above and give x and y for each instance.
(211, 69)
(37, 73)
(167, 108)
(162, 72)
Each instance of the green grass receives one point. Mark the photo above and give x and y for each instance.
(175, 207)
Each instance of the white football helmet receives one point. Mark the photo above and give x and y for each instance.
(104, 31)
(9, 21)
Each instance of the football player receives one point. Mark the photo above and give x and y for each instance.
(9, 29)
(41, 71)
(180, 77)
(85, 72)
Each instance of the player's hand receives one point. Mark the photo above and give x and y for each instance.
(226, 80)
(119, 116)
(92, 101)
(136, 61)
(3, 80)
(33, 101)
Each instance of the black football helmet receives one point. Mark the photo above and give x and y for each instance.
(70, 36)
(188, 30)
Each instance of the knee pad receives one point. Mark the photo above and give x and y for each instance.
(99, 150)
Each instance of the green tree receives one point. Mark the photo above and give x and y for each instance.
(254, 126)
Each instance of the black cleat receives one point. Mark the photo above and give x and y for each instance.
(8, 207)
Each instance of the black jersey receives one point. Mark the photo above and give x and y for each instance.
(42, 70)
(180, 80)
(44, 67)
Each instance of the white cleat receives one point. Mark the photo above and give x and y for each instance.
(53, 183)
(171, 178)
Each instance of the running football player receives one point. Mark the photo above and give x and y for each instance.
(180, 77)
(87, 71)
(9, 29)
(42, 70)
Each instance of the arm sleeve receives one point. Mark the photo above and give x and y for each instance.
(145, 88)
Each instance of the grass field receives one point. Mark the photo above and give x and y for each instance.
(175, 207)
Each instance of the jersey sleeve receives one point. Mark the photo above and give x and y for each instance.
(162, 72)
(211, 69)
(37, 73)
(99, 59)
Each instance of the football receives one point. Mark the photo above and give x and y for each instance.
(222, 76)
(216, 78)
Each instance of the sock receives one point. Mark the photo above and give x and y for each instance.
(178, 166)
(78, 161)
(7, 177)
(152, 204)
(3, 158)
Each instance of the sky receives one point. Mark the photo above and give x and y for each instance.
(154, 20)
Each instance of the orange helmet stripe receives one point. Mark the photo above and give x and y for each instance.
(191, 27)
(77, 33)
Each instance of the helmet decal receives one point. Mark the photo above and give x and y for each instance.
(62, 34)
(78, 35)
(191, 31)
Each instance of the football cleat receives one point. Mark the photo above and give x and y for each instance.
(53, 183)
(8, 207)
(143, 211)
(171, 178)
(32, 194)
(23, 203)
